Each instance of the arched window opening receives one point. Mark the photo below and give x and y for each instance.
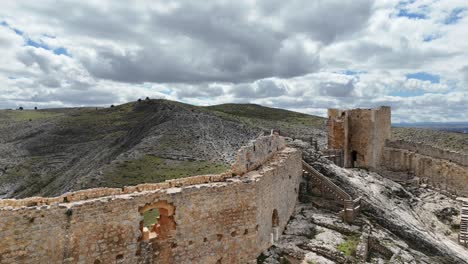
(158, 221)
(275, 227)
(353, 158)
(275, 219)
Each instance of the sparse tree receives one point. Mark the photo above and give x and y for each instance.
(147, 98)
(20, 108)
(139, 99)
(112, 106)
(35, 108)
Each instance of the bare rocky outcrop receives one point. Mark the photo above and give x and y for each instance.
(398, 224)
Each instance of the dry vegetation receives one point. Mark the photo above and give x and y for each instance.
(441, 139)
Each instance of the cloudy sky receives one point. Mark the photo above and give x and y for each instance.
(301, 55)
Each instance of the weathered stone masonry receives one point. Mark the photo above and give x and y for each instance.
(227, 218)
(442, 169)
(363, 135)
(360, 134)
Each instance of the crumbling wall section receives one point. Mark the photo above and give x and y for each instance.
(336, 129)
(217, 218)
(430, 166)
(427, 150)
(360, 133)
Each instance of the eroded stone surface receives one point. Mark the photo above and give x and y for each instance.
(218, 219)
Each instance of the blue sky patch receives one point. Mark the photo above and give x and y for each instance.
(454, 16)
(430, 38)
(57, 51)
(406, 13)
(424, 76)
(30, 42)
(61, 51)
(353, 72)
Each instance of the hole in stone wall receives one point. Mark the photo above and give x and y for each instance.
(173, 245)
(158, 220)
(205, 239)
(233, 233)
(151, 217)
(256, 228)
(353, 158)
(275, 219)
(253, 147)
(246, 231)
(190, 242)
(219, 261)
(119, 259)
(219, 237)
(97, 261)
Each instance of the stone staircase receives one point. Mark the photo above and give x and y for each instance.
(351, 207)
(463, 236)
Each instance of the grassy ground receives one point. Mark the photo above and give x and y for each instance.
(150, 217)
(27, 115)
(151, 169)
(250, 113)
(290, 123)
(350, 245)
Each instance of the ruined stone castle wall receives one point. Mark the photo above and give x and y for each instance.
(439, 168)
(427, 150)
(336, 129)
(360, 133)
(209, 219)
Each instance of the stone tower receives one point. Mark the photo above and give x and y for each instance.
(360, 134)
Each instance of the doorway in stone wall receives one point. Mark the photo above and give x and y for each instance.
(158, 221)
(274, 226)
(353, 158)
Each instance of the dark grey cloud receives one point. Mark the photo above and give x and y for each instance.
(296, 54)
(31, 56)
(401, 56)
(197, 92)
(324, 20)
(464, 72)
(260, 89)
(205, 41)
(337, 89)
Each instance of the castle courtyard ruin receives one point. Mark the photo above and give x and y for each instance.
(228, 218)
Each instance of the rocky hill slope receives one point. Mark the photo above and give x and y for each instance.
(440, 139)
(49, 152)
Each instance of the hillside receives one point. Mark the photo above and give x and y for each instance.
(48, 152)
(441, 139)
